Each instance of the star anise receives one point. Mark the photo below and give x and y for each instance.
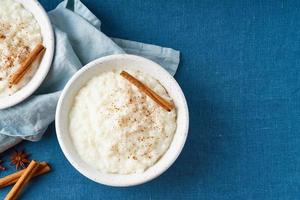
(1, 166)
(20, 159)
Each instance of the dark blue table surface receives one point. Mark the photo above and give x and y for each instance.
(240, 72)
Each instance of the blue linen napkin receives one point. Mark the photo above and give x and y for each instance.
(79, 40)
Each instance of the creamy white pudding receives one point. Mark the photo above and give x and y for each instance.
(19, 34)
(118, 129)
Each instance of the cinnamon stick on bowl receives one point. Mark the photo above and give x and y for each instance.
(25, 66)
(154, 96)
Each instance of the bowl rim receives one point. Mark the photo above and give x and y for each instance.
(44, 65)
(75, 163)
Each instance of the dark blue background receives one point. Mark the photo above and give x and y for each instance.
(239, 70)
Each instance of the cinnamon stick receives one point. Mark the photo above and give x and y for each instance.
(13, 178)
(25, 66)
(154, 96)
(23, 180)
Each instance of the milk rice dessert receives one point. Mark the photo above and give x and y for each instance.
(116, 128)
(19, 34)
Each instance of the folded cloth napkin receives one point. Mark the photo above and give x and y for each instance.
(79, 40)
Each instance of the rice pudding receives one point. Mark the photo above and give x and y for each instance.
(118, 129)
(19, 35)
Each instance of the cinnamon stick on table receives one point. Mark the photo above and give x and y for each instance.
(23, 180)
(154, 96)
(18, 75)
(13, 178)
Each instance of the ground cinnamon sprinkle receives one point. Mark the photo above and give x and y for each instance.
(16, 54)
(9, 61)
(2, 36)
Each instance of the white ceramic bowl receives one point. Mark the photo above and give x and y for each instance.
(108, 63)
(41, 16)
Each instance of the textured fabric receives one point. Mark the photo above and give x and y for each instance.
(79, 40)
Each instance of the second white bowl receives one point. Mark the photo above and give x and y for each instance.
(41, 16)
